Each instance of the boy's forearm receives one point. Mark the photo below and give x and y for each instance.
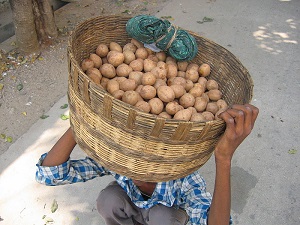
(239, 121)
(220, 207)
(61, 151)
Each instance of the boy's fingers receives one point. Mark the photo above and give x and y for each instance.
(238, 116)
(238, 113)
(225, 116)
(247, 111)
(255, 112)
(250, 112)
(229, 120)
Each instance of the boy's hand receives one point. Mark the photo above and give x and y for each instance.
(239, 121)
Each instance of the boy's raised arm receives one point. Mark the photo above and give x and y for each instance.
(61, 151)
(239, 120)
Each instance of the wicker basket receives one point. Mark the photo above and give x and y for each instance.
(137, 144)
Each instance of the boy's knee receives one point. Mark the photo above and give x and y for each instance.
(164, 215)
(109, 199)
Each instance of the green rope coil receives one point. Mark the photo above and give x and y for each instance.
(176, 42)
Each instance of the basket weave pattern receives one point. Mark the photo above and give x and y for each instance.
(137, 144)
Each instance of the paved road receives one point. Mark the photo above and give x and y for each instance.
(265, 36)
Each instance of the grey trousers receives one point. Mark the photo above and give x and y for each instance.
(116, 208)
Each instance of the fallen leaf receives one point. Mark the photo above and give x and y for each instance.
(20, 87)
(292, 151)
(23, 62)
(64, 117)
(205, 19)
(48, 219)
(24, 113)
(127, 12)
(64, 106)
(44, 216)
(9, 139)
(44, 116)
(1, 86)
(3, 136)
(167, 17)
(54, 206)
(77, 218)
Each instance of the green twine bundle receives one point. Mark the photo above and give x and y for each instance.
(176, 42)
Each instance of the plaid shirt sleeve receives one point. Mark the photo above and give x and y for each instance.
(71, 171)
(197, 199)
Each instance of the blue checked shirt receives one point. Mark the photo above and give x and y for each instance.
(188, 193)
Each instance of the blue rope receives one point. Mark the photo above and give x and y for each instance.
(178, 43)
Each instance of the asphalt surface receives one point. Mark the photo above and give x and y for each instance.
(265, 36)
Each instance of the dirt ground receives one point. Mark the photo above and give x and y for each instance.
(29, 88)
